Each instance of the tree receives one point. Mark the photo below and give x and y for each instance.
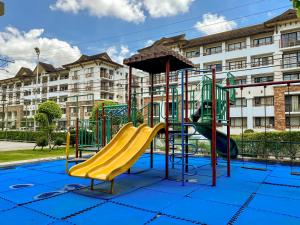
(46, 115)
(296, 5)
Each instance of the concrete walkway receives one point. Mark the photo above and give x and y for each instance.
(10, 146)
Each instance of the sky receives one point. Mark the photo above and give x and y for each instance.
(66, 29)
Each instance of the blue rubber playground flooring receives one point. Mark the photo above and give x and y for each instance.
(42, 193)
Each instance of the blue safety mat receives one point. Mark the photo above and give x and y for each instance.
(110, 213)
(70, 204)
(206, 212)
(24, 216)
(145, 197)
(279, 205)
(165, 220)
(5, 205)
(252, 216)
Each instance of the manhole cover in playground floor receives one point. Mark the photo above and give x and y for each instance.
(48, 194)
(19, 186)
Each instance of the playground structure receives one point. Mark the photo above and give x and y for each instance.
(210, 107)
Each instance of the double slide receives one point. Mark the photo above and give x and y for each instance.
(119, 154)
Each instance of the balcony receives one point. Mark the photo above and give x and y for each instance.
(74, 89)
(89, 88)
(288, 43)
(106, 75)
(87, 114)
(287, 64)
(73, 114)
(88, 75)
(75, 77)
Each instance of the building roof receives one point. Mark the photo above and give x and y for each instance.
(85, 58)
(47, 67)
(166, 41)
(290, 14)
(154, 60)
(228, 35)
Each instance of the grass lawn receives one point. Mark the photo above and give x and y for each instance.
(16, 155)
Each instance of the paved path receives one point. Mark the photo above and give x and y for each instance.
(9, 146)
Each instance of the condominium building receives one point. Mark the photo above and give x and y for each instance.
(260, 53)
(75, 87)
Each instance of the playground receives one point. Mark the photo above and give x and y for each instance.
(129, 179)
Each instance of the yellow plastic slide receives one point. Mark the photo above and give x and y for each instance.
(119, 154)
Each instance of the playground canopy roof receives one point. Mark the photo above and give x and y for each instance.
(154, 60)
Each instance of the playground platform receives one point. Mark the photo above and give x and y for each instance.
(42, 193)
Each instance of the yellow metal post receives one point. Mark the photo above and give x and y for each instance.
(67, 151)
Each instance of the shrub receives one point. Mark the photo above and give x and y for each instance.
(248, 131)
(41, 142)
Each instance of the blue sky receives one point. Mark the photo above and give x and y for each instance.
(107, 26)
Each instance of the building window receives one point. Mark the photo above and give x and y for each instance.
(191, 54)
(26, 93)
(239, 64)
(262, 61)
(291, 60)
(262, 121)
(238, 122)
(264, 101)
(295, 76)
(63, 87)
(53, 89)
(241, 81)
(292, 103)
(63, 98)
(236, 46)
(213, 50)
(262, 41)
(64, 76)
(290, 39)
(217, 65)
(263, 79)
(53, 78)
(240, 102)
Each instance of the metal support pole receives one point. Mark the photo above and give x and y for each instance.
(228, 129)
(186, 120)
(151, 118)
(182, 128)
(97, 126)
(214, 127)
(129, 93)
(167, 118)
(77, 135)
(103, 126)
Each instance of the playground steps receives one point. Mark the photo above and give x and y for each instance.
(77, 160)
(89, 149)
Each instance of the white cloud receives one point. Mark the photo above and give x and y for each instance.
(118, 53)
(128, 10)
(164, 8)
(149, 43)
(214, 23)
(19, 46)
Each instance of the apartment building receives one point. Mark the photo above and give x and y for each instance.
(75, 87)
(260, 53)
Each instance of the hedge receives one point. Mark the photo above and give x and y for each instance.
(264, 145)
(29, 136)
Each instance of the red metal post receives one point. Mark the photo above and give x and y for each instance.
(103, 126)
(186, 119)
(167, 117)
(77, 136)
(97, 126)
(129, 93)
(214, 128)
(228, 129)
(151, 118)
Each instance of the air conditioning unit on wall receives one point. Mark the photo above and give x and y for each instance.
(1, 8)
